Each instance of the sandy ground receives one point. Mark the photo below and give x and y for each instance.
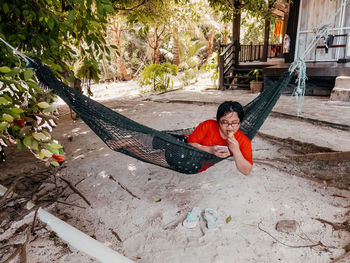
(147, 226)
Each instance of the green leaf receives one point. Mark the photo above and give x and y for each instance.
(109, 8)
(6, 96)
(27, 141)
(50, 109)
(39, 136)
(15, 115)
(56, 145)
(13, 72)
(43, 105)
(35, 145)
(4, 101)
(33, 86)
(51, 23)
(24, 131)
(95, 24)
(17, 110)
(5, 69)
(28, 74)
(20, 145)
(47, 134)
(228, 219)
(3, 126)
(159, 200)
(6, 8)
(7, 117)
(71, 16)
(55, 163)
(54, 151)
(46, 153)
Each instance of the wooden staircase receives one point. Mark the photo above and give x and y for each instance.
(232, 74)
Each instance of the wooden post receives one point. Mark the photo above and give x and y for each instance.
(251, 52)
(266, 41)
(292, 28)
(236, 29)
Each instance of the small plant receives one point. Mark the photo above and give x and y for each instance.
(28, 115)
(159, 76)
(189, 76)
(256, 73)
(211, 66)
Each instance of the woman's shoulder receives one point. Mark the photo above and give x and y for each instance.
(242, 136)
(209, 124)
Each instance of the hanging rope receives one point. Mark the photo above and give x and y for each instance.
(17, 53)
(299, 65)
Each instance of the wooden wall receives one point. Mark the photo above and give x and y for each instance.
(313, 14)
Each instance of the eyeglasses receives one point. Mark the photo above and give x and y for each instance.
(226, 123)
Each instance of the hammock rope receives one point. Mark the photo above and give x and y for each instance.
(167, 149)
(163, 148)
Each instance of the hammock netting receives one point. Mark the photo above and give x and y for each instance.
(163, 148)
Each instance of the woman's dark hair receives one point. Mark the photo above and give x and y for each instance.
(230, 106)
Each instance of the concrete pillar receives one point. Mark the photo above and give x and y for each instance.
(341, 90)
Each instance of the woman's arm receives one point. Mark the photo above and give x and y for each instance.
(244, 166)
(211, 149)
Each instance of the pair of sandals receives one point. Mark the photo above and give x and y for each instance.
(210, 216)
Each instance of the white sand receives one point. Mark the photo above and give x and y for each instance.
(150, 227)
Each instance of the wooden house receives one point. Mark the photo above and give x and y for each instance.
(326, 60)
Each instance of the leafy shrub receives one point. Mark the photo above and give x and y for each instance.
(158, 76)
(188, 75)
(27, 115)
(211, 67)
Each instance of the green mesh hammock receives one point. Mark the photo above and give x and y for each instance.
(163, 148)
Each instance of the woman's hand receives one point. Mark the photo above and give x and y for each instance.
(217, 150)
(220, 151)
(232, 143)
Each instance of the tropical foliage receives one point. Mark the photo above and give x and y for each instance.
(158, 76)
(60, 32)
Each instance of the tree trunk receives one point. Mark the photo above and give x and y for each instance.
(176, 49)
(156, 53)
(211, 42)
(155, 46)
(123, 74)
(236, 24)
(104, 65)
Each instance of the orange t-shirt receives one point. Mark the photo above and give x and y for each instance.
(207, 133)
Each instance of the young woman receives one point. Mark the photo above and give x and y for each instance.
(212, 135)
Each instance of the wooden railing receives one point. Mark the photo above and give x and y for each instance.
(228, 58)
(255, 52)
(230, 55)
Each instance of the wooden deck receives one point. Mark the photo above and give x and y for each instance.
(321, 77)
(319, 69)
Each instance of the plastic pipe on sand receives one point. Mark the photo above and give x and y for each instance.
(76, 238)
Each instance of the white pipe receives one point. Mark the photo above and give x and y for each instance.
(330, 29)
(76, 238)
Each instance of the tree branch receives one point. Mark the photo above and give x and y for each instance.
(131, 8)
(319, 243)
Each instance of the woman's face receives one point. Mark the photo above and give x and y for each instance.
(229, 123)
